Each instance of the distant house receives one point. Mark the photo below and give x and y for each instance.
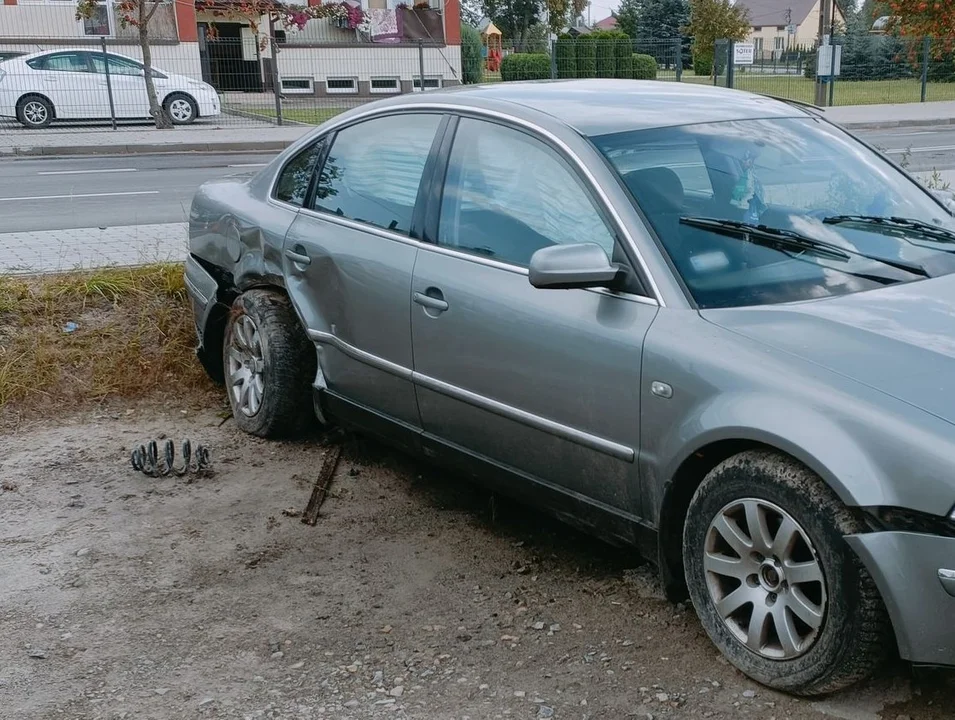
(778, 25)
(379, 55)
(608, 23)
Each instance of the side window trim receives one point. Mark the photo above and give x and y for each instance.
(436, 197)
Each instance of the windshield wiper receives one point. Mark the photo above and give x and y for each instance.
(919, 227)
(788, 240)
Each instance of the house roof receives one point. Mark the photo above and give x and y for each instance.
(608, 23)
(774, 12)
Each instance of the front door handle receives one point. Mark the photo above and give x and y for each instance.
(433, 303)
(299, 258)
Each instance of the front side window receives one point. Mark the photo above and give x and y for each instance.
(757, 212)
(292, 184)
(507, 195)
(374, 169)
(117, 65)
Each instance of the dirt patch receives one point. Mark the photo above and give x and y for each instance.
(126, 596)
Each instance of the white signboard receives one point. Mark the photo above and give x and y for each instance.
(825, 66)
(791, 29)
(744, 53)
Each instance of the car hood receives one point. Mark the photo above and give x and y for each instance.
(899, 340)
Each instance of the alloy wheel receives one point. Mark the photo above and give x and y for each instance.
(246, 366)
(765, 579)
(180, 110)
(35, 112)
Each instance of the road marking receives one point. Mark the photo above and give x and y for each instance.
(78, 195)
(913, 134)
(241, 165)
(84, 172)
(902, 151)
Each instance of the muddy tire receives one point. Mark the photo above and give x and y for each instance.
(269, 366)
(774, 583)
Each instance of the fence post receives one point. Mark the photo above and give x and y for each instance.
(926, 55)
(109, 83)
(274, 66)
(678, 46)
(553, 58)
(730, 64)
(421, 62)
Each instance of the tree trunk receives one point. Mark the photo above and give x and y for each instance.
(155, 109)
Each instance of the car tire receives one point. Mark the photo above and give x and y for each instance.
(817, 635)
(35, 111)
(269, 365)
(181, 109)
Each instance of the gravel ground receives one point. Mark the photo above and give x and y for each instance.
(129, 597)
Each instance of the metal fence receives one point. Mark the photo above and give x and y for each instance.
(235, 75)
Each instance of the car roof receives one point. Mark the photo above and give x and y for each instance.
(598, 107)
(56, 51)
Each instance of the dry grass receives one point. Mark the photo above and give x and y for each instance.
(134, 336)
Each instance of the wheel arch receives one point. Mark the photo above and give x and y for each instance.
(34, 94)
(173, 93)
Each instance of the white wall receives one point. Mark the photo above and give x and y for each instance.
(40, 21)
(366, 61)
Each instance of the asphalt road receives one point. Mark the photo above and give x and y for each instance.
(59, 194)
(89, 192)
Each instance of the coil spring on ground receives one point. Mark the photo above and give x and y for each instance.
(146, 459)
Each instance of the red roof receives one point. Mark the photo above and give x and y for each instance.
(608, 23)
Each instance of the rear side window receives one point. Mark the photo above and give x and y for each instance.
(374, 169)
(292, 184)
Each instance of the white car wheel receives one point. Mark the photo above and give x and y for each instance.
(181, 109)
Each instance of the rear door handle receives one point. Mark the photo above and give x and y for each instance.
(297, 257)
(434, 303)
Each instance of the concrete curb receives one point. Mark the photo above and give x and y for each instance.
(889, 124)
(148, 148)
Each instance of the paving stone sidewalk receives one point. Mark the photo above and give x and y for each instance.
(83, 248)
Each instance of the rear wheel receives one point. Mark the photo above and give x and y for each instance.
(269, 365)
(774, 583)
(35, 111)
(181, 109)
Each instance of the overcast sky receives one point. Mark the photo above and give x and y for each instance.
(599, 9)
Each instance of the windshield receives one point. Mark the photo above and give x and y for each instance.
(701, 187)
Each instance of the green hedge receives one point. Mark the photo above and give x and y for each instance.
(623, 58)
(566, 52)
(644, 67)
(702, 66)
(605, 54)
(586, 57)
(472, 64)
(525, 66)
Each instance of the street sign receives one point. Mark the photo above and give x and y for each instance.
(791, 29)
(825, 65)
(744, 53)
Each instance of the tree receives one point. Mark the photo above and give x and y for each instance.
(471, 12)
(628, 16)
(661, 19)
(513, 17)
(561, 13)
(712, 20)
(919, 19)
(140, 13)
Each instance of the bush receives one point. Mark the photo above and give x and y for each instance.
(566, 54)
(525, 66)
(623, 53)
(644, 67)
(586, 57)
(472, 64)
(604, 42)
(703, 66)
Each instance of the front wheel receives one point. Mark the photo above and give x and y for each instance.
(181, 109)
(775, 585)
(269, 365)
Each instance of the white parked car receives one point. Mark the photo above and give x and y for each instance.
(72, 85)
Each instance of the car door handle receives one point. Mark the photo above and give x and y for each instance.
(297, 257)
(434, 303)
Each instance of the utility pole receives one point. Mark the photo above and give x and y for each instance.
(824, 15)
(789, 22)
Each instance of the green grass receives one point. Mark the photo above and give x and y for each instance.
(308, 116)
(862, 92)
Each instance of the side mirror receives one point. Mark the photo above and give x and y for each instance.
(561, 267)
